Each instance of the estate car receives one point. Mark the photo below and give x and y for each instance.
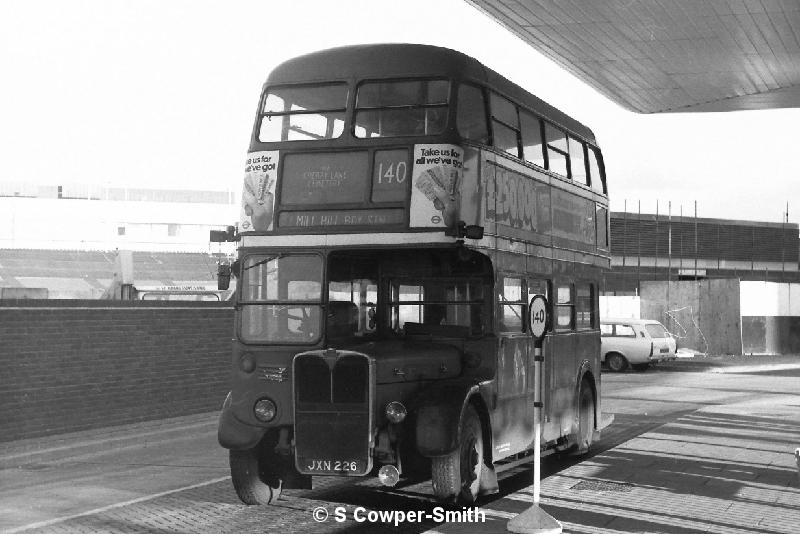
(635, 343)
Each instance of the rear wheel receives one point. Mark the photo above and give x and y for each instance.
(251, 478)
(585, 418)
(457, 476)
(616, 362)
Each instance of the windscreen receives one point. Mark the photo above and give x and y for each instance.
(281, 298)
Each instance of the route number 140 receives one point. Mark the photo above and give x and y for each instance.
(394, 173)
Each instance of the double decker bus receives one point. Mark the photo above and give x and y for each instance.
(401, 205)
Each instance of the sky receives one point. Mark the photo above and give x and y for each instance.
(163, 94)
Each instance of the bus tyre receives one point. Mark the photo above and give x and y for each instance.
(585, 418)
(249, 480)
(457, 476)
(616, 362)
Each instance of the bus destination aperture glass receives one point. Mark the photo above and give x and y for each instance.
(324, 178)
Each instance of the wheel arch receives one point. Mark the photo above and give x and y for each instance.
(614, 351)
(477, 401)
(585, 373)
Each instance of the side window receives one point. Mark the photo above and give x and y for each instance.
(512, 304)
(606, 330)
(584, 306)
(597, 179)
(532, 146)
(505, 125)
(471, 116)
(577, 163)
(624, 330)
(565, 307)
(557, 149)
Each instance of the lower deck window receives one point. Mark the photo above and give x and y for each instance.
(584, 306)
(565, 308)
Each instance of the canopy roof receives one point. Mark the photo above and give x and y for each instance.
(654, 56)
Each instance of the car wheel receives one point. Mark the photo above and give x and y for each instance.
(250, 480)
(616, 362)
(457, 476)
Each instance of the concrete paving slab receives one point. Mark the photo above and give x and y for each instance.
(722, 464)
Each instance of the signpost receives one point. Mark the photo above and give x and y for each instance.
(534, 520)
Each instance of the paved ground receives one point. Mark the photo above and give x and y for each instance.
(700, 446)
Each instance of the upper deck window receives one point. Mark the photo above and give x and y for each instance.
(471, 117)
(557, 149)
(303, 112)
(532, 139)
(577, 163)
(597, 179)
(401, 108)
(505, 125)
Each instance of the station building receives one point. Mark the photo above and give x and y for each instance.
(647, 247)
(723, 285)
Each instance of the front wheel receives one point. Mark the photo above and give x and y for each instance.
(250, 479)
(457, 476)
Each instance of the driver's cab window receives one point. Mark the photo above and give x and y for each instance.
(281, 296)
(351, 309)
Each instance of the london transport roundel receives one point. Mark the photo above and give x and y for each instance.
(538, 316)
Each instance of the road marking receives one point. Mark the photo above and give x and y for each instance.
(57, 520)
(95, 444)
(757, 368)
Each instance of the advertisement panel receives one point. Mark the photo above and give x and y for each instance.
(258, 193)
(435, 182)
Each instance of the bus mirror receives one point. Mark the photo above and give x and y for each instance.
(223, 276)
(223, 236)
(462, 229)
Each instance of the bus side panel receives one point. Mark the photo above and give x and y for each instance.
(512, 419)
(438, 416)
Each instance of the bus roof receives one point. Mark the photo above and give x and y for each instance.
(412, 60)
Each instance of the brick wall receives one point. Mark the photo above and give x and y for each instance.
(75, 365)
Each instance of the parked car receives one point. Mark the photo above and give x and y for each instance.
(634, 342)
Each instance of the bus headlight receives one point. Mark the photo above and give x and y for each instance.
(396, 412)
(265, 410)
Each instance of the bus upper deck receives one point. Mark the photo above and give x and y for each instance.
(344, 144)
